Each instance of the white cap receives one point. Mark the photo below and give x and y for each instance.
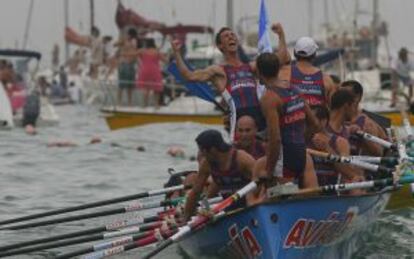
(305, 47)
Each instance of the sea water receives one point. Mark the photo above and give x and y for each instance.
(36, 178)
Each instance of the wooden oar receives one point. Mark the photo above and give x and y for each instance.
(347, 160)
(377, 140)
(200, 220)
(106, 245)
(94, 204)
(137, 206)
(124, 241)
(118, 224)
(377, 159)
(62, 243)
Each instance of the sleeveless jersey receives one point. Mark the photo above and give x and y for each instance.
(311, 86)
(256, 150)
(325, 170)
(242, 86)
(229, 180)
(352, 140)
(292, 129)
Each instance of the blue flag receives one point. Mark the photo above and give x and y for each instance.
(201, 90)
(264, 41)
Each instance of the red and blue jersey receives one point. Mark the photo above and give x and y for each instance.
(325, 170)
(292, 130)
(311, 86)
(229, 180)
(242, 86)
(256, 150)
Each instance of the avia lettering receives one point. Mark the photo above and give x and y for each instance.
(307, 233)
(243, 242)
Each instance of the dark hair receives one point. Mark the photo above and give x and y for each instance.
(218, 34)
(321, 112)
(95, 31)
(309, 58)
(268, 65)
(357, 88)
(132, 33)
(335, 79)
(212, 138)
(150, 43)
(340, 98)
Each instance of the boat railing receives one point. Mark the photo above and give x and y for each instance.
(110, 88)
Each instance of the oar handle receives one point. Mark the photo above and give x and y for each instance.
(376, 140)
(94, 204)
(348, 160)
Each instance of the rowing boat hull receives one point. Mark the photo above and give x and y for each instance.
(320, 227)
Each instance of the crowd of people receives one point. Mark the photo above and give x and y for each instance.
(137, 61)
(301, 109)
(19, 96)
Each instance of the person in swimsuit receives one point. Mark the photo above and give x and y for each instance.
(229, 168)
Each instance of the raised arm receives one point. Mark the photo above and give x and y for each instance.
(201, 75)
(282, 50)
(269, 109)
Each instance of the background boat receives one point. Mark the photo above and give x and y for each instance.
(26, 69)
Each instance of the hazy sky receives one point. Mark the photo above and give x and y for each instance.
(47, 22)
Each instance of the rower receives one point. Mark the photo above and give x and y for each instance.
(361, 122)
(234, 79)
(343, 108)
(246, 131)
(286, 116)
(315, 87)
(327, 172)
(229, 168)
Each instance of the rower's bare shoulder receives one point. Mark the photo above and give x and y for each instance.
(284, 73)
(342, 145)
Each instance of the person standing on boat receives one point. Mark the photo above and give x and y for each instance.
(287, 115)
(246, 131)
(229, 168)
(315, 87)
(401, 69)
(150, 79)
(235, 80)
(126, 65)
(362, 122)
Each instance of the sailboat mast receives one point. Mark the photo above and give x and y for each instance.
(28, 21)
(310, 17)
(66, 15)
(92, 13)
(374, 28)
(230, 8)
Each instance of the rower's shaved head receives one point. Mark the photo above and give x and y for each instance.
(246, 130)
